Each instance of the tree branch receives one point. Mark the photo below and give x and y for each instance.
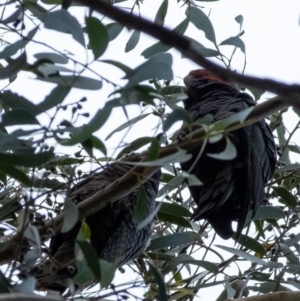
(183, 45)
(28, 297)
(278, 296)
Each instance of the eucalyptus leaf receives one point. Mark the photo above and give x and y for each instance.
(202, 22)
(71, 216)
(12, 49)
(161, 12)
(61, 20)
(133, 40)
(235, 41)
(98, 36)
(157, 67)
(173, 240)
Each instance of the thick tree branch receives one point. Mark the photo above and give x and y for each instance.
(183, 45)
(278, 296)
(29, 297)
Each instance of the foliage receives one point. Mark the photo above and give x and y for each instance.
(40, 160)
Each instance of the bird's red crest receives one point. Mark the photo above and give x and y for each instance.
(203, 74)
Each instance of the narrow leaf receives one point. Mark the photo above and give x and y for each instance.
(18, 116)
(235, 41)
(71, 216)
(91, 257)
(243, 255)
(80, 82)
(57, 96)
(178, 114)
(113, 30)
(14, 66)
(98, 36)
(229, 152)
(157, 67)
(127, 124)
(202, 22)
(140, 209)
(133, 40)
(63, 21)
(12, 49)
(173, 240)
(161, 13)
(286, 196)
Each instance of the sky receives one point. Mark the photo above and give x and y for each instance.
(272, 39)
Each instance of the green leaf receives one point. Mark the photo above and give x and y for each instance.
(56, 96)
(18, 116)
(84, 276)
(187, 259)
(289, 254)
(134, 145)
(135, 95)
(37, 10)
(161, 13)
(257, 93)
(229, 152)
(71, 216)
(233, 119)
(173, 240)
(159, 46)
(140, 209)
(174, 209)
(8, 206)
(173, 184)
(268, 212)
(235, 41)
(251, 244)
(178, 114)
(202, 22)
(162, 292)
(127, 124)
(55, 58)
(91, 257)
(80, 134)
(286, 196)
(13, 17)
(98, 36)
(93, 142)
(239, 19)
(179, 156)
(173, 219)
(63, 21)
(27, 160)
(107, 272)
(133, 40)
(243, 254)
(153, 151)
(113, 30)
(206, 52)
(15, 101)
(14, 66)
(75, 81)
(119, 65)
(157, 67)
(12, 49)
(15, 173)
(84, 232)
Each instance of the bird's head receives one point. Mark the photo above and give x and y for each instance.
(201, 75)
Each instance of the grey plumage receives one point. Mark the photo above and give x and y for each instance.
(114, 235)
(231, 188)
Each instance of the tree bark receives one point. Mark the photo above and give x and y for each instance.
(278, 296)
